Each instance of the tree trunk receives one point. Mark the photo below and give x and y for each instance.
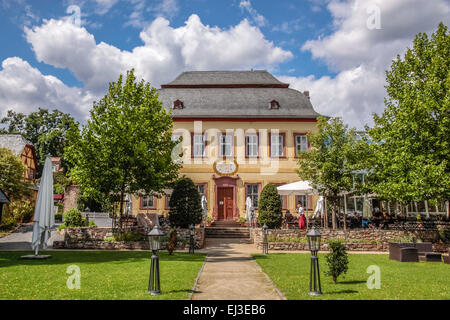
(345, 212)
(325, 212)
(334, 279)
(121, 211)
(333, 215)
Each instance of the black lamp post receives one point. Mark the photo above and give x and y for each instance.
(154, 238)
(191, 238)
(265, 242)
(314, 276)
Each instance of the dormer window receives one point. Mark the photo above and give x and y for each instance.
(177, 104)
(274, 104)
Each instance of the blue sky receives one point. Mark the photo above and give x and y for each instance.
(336, 49)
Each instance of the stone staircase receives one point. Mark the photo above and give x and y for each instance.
(227, 229)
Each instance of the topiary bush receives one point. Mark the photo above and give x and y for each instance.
(270, 207)
(73, 218)
(185, 205)
(337, 259)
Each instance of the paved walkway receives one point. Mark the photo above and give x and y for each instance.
(21, 239)
(230, 273)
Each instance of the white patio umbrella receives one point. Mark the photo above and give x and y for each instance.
(44, 218)
(296, 188)
(248, 210)
(367, 210)
(319, 208)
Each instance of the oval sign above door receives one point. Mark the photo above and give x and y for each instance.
(226, 168)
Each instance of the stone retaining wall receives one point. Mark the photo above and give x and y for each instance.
(93, 238)
(355, 239)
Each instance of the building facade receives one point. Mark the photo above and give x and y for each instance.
(25, 150)
(240, 130)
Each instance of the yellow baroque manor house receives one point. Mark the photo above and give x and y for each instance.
(241, 130)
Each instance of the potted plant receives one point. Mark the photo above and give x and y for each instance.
(209, 220)
(242, 221)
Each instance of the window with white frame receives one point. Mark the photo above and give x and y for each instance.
(251, 145)
(199, 145)
(225, 145)
(252, 192)
(148, 202)
(301, 144)
(276, 145)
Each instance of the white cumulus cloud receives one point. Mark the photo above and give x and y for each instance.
(24, 89)
(165, 52)
(361, 54)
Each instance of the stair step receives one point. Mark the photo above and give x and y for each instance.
(227, 232)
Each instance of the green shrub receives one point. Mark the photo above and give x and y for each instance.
(128, 236)
(337, 259)
(408, 239)
(242, 220)
(8, 223)
(270, 207)
(209, 219)
(58, 216)
(21, 210)
(58, 189)
(62, 226)
(444, 235)
(60, 207)
(185, 205)
(293, 239)
(73, 218)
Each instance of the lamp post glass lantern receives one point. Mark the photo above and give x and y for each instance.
(265, 241)
(313, 237)
(154, 238)
(191, 238)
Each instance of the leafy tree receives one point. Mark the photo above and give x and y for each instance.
(337, 259)
(413, 134)
(45, 130)
(11, 175)
(185, 204)
(330, 161)
(270, 207)
(125, 147)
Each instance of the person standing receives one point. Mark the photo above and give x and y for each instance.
(302, 218)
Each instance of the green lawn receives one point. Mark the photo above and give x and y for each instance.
(104, 275)
(399, 280)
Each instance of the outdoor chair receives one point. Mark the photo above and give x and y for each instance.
(430, 257)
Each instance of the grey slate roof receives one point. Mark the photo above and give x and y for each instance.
(15, 142)
(234, 102)
(3, 197)
(225, 77)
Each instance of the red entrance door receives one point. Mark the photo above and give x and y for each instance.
(225, 203)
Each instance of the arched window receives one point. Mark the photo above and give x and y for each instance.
(177, 104)
(274, 104)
